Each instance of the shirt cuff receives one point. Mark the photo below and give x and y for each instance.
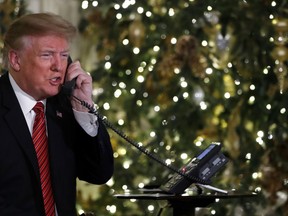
(88, 121)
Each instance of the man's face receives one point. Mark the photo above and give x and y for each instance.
(42, 66)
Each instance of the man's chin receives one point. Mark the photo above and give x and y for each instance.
(54, 92)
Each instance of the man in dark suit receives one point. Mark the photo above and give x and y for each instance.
(36, 51)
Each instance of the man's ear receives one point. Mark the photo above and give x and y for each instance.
(13, 58)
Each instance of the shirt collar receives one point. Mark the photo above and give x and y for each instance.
(26, 101)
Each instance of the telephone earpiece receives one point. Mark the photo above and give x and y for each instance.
(68, 86)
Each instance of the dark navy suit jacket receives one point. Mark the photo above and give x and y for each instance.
(73, 154)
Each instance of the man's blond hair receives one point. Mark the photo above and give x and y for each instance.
(38, 24)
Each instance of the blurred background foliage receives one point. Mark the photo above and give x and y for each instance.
(178, 75)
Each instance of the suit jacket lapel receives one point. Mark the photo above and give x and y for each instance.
(16, 121)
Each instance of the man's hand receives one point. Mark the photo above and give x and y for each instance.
(83, 87)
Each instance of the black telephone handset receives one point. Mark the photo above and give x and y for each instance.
(68, 86)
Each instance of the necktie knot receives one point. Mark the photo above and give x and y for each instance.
(38, 108)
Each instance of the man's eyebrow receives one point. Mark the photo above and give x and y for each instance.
(54, 51)
(65, 51)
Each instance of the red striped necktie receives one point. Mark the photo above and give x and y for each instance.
(41, 147)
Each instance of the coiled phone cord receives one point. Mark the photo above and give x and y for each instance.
(94, 111)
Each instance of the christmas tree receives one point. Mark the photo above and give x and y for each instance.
(178, 75)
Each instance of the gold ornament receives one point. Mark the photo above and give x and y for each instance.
(187, 50)
(280, 51)
(281, 72)
(150, 85)
(163, 100)
(186, 46)
(229, 84)
(156, 3)
(158, 6)
(232, 141)
(220, 44)
(137, 33)
(166, 69)
(281, 29)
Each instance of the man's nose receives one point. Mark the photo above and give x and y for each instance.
(56, 64)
